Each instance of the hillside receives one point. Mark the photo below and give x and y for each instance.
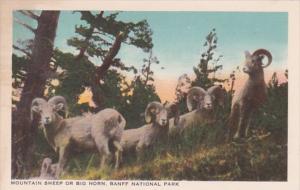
(259, 159)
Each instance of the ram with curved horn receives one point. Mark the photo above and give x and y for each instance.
(157, 117)
(202, 106)
(77, 134)
(251, 96)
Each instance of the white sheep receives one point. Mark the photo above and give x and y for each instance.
(157, 116)
(204, 103)
(83, 133)
(48, 170)
(251, 96)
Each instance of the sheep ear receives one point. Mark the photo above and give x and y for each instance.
(191, 102)
(34, 109)
(149, 114)
(62, 109)
(59, 106)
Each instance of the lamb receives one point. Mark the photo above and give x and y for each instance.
(48, 170)
(251, 96)
(205, 103)
(157, 116)
(90, 133)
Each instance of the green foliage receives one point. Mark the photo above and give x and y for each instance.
(274, 111)
(205, 71)
(208, 63)
(73, 78)
(137, 102)
(100, 30)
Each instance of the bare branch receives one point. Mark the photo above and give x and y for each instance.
(22, 50)
(25, 25)
(30, 14)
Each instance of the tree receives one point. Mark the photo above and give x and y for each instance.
(102, 38)
(205, 71)
(143, 92)
(208, 63)
(37, 72)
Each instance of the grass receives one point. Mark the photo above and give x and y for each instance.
(197, 155)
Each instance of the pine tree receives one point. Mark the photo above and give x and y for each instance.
(209, 65)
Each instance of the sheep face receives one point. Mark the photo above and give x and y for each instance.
(207, 102)
(47, 111)
(157, 113)
(200, 99)
(254, 63)
(162, 117)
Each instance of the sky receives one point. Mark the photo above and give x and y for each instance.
(178, 39)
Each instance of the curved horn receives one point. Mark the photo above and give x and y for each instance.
(219, 93)
(192, 93)
(151, 110)
(61, 105)
(35, 106)
(266, 53)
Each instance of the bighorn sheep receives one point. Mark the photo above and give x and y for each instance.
(251, 96)
(92, 132)
(48, 170)
(204, 102)
(157, 116)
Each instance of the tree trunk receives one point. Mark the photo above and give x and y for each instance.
(23, 131)
(98, 97)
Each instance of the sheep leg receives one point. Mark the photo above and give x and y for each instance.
(62, 161)
(140, 149)
(232, 122)
(118, 153)
(139, 152)
(244, 117)
(103, 149)
(248, 123)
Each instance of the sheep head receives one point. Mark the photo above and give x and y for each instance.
(254, 62)
(114, 126)
(48, 169)
(48, 110)
(200, 99)
(161, 113)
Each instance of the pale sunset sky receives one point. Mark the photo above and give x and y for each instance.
(178, 39)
